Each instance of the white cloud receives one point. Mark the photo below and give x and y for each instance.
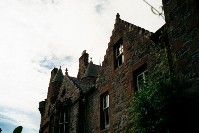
(37, 34)
(16, 117)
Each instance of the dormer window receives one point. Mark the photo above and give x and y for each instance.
(119, 56)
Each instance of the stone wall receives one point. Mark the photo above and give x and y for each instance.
(182, 18)
(68, 90)
(118, 82)
(92, 112)
(140, 48)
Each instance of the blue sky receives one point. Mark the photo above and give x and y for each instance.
(38, 35)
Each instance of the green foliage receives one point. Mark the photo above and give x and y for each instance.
(149, 110)
(18, 129)
(151, 106)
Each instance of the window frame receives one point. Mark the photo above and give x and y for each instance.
(104, 110)
(64, 118)
(118, 53)
(144, 75)
(140, 71)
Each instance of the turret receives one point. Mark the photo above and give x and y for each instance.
(53, 73)
(55, 84)
(83, 63)
(59, 76)
(91, 73)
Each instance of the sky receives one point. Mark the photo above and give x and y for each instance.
(38, 35)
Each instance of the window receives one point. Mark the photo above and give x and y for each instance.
(104, 99)
(63, 121)
(119, 56)
(140, 76)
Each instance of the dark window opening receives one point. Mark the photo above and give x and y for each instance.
(104, 110)
(118, 52)
(140, 76)
(63, 121)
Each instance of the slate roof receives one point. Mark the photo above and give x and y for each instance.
(82, 86)
(92, 70)
(59, 76)
(75, 81)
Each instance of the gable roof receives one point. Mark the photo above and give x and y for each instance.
(82, 86)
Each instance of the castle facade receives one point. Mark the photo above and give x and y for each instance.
(96, 100)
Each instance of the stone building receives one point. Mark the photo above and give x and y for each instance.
(97, 99)
(182, 22)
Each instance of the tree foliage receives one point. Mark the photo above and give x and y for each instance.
(165, 103)
(152, 108)
(18, 129)
(149, 110)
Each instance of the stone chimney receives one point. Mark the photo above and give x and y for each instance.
(83, 63)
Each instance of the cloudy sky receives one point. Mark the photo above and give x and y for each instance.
(38, 35)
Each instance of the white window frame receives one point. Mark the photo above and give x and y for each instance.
(144, 75)
(106, 110)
